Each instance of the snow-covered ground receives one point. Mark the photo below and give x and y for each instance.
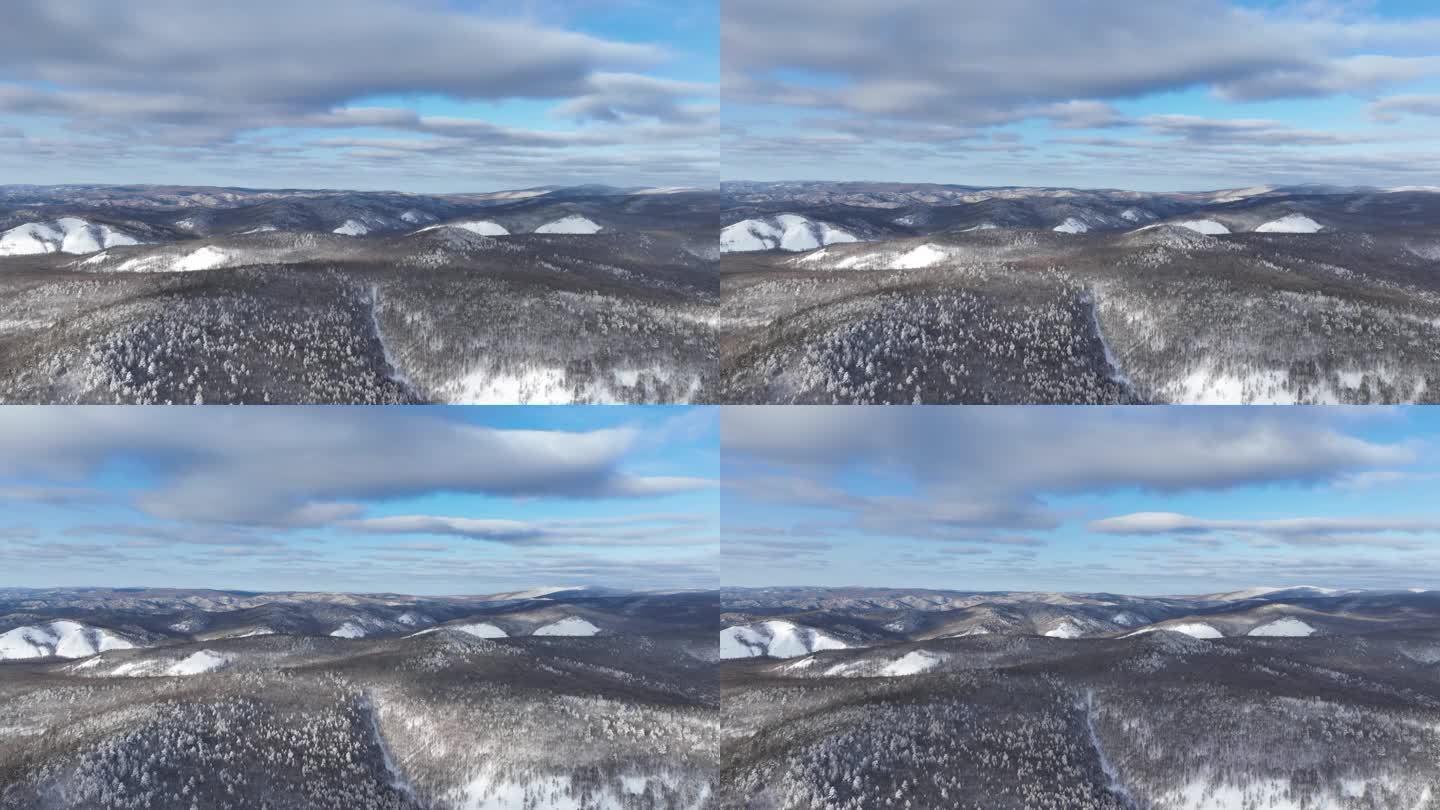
(61, 638)
(352, 227)
(476, 629)
(490, 789)
(790, 232)
(1209, 227)
(416, 217)
(1292, 223)
(205, 258)
(64, 235)
(922, 256)
(775, 638)
(1270, 794)
(568, 626)
(348, 630)
(912, 663)
(573, 224)
(1191, 629)
(1065, 629)
(549, 385)
(1072, 225)
(1127, 619)
(196, 663)
(484, 227)
(258, 631)
(1287, 626)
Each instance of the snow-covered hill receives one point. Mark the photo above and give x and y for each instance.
(484, 227)
(568, 626)
(573, 224)
(61, 639)
(63, 235)
(163, 666)
(1191, 629)
(352, 227)
(790, 232)
(775, 638)
(1287, 626)
(1292, 223)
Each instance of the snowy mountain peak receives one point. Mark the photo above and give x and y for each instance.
(789, 232)
(63, 235)
(61, 639)
(775, 638)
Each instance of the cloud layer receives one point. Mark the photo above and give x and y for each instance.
(150, 81)
(1073, 498)
(908, 65)
(309, 466)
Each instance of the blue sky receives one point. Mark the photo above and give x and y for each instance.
(1127, 500)
(410, 500)
(411, 95)
(1181, 95)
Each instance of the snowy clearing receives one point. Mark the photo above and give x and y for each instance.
(352, 228)
(1191, 629)
(484, 227)
(1283, 627)
(1293, 223)
(775, 638)
(912, 663)
(568, 626)
(573, 224)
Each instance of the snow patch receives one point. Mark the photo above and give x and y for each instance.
(923, 256)
(569, 626)
(1191, 629)
(484, 630)
(573, 224)
(1283, 627)
(1209, 227)
(1292, 223)
(61, 639)
(352, 227)
(1071, 225)
(205, 258)
(790, 232)
(197, 663)
(775, 638)
(64, 235)
(912, 663)
(349, 630)
(1066, 629)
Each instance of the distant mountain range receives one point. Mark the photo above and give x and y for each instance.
(158, 294)
(876, 293)
(175, 699)
(1266, 697)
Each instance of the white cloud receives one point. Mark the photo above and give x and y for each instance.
(310, 466)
